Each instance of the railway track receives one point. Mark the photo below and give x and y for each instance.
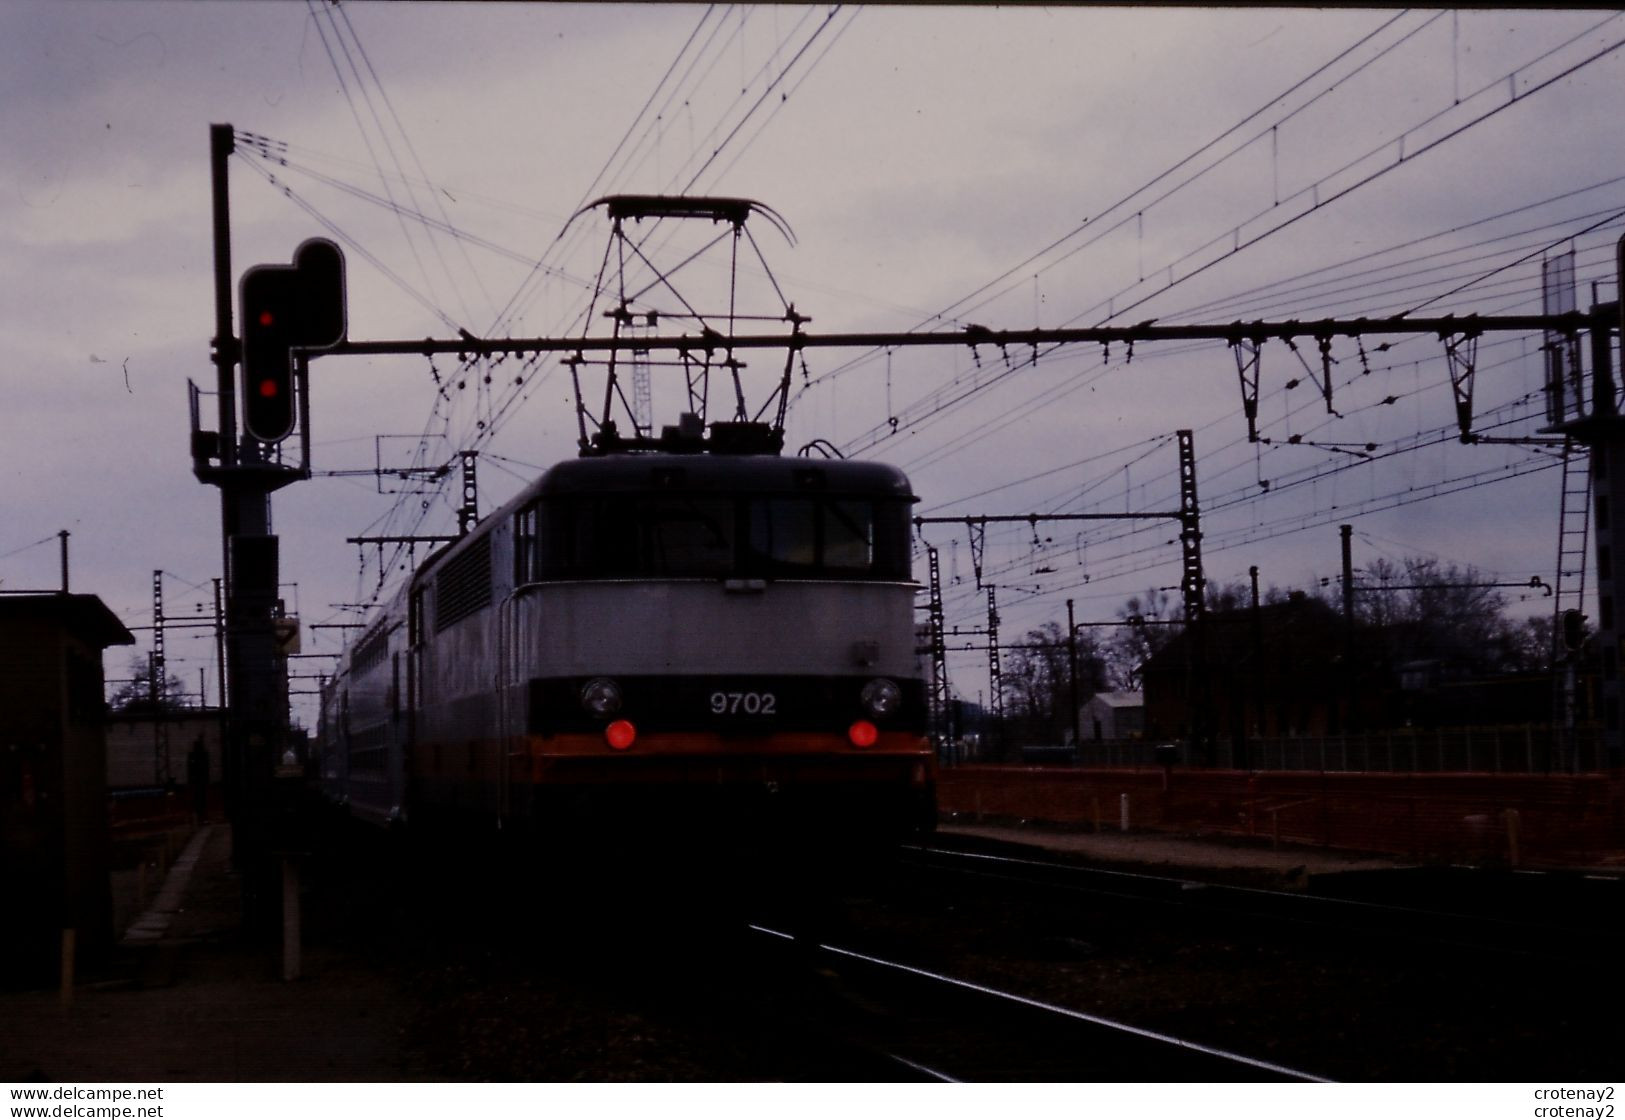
(945, 1028)
(771, 999)
(952, 965)
(1392, 985)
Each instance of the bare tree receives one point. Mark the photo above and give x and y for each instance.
(1422, 610)
(1529, 644)
(1141, 635)
(1228, 596)
(1038, 680)
(135, 694)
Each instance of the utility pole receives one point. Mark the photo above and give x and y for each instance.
(289, 311)
(1603, 432)
(995, 677)
(1191, 586)
(249, 559)
(219, 647)
(1072, 669)
(468, 514)
(1347, 534)
(157, 670)
(941, 697)
(1242, 761)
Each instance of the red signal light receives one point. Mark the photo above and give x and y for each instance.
(287, 308)
(620, 735)
(863, 733)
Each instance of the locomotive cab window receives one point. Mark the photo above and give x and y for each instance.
(810, 537)
(631, 536)
(719, 536)
(783, 534)
(848, 535)
(526, 563)
(687, 536)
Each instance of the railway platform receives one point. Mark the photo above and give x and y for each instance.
(186, 997)
(1195, 857)
(1245, 861)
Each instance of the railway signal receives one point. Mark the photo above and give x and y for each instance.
(1574, 630)
(285, 308)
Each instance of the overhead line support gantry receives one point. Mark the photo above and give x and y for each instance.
(1234, 333)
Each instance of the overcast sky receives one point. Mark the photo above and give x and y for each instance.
(1184, 165)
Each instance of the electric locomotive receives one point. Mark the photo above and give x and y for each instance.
(698, 634)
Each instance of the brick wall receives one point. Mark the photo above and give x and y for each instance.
(1440, 817)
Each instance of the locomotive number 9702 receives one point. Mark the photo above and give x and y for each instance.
(746, 703)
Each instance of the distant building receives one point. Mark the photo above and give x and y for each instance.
(1292, 670)
(1278, 671)
(53, 776)
(144, 750)
(1113, 715)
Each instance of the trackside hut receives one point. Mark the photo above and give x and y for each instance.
(1113, 715)
(53, 776)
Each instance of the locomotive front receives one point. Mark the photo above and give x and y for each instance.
(722, 639)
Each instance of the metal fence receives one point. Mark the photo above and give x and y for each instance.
(1528, 749)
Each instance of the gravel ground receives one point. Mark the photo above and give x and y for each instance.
(518, 974)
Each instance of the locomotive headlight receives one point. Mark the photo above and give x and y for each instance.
(601, 696)
(881, 697)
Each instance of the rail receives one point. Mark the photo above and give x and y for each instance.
(1109, 1043)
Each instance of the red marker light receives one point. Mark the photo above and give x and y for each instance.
(620, 735)
(266, 318)
(268, 388)
(863, 733)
